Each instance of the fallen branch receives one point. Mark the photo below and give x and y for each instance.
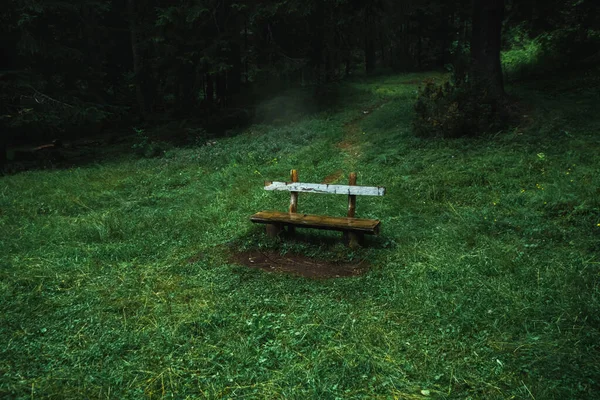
(42, 98)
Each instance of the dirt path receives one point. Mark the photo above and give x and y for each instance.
(350, 144)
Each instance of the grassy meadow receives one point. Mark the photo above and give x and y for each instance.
(116, 279)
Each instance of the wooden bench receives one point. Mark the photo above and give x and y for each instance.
(353, 228)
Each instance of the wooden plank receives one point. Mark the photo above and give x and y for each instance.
(325, 188)
(369, 226)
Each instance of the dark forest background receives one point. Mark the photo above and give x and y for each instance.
(73, 69)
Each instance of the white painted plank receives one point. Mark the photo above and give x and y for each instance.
(325, 188)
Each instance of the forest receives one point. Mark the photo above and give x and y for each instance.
(137, 139)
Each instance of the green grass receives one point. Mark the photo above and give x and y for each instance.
(115, 279)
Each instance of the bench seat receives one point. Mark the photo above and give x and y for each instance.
(344, 224)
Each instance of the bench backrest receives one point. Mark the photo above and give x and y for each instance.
(326, 188)
(351, 190)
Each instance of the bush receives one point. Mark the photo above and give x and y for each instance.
(548, 52)
(145, 147)
(451, 110)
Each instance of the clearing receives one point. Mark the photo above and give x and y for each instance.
(126, 279)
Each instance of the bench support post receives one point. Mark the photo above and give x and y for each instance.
(352, 239)
(293, 200)
(273, 230)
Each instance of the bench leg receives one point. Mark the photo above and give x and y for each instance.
(353, 240)
(273, 230)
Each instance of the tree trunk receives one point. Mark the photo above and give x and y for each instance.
(221, 89)
(3, 155)
(234, 76)
(137, 60)
(209, 93)
(318, 42)
(444, 35)
(246, 51)
(419, 50)
(486, 69)
(369, 41)
(187, 89)
(382, 47)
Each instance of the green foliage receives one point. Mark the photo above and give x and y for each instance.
(48, 121)
(145, 147)
(448, 110)
(196, 136)
(529, 56)
(461, 59)
(548, 52)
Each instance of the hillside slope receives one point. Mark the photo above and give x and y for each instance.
(117, 279)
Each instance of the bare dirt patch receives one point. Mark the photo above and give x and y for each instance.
(334, 177)
(350, 144)
(296, 264)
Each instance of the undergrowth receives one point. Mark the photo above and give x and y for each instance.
(484, 281)
(530, 56)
